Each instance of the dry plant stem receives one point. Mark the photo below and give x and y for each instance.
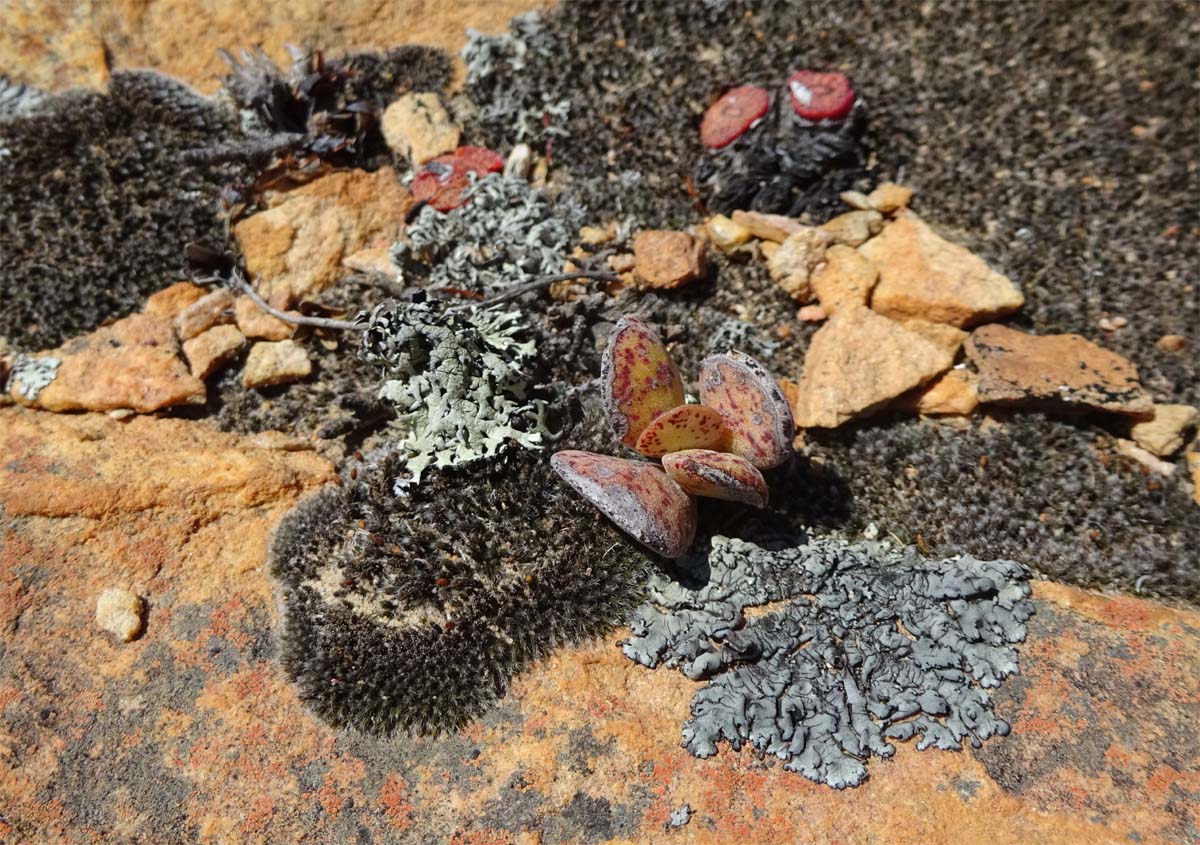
(295, 319)
(537, 284)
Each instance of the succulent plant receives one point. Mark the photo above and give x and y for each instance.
(716, 449)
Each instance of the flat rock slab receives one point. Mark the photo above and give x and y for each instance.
(134, 363)
(192, 728)
(1063, 370)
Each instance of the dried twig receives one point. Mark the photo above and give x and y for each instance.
(538, 284)
(295, 319)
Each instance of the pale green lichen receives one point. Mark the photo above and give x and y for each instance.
(458, 381)
(30, 375)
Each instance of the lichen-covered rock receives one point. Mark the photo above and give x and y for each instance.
(638, 496)
(119, 612)
(133, 363)
(923, 275)
(858, 362)
(685, 427)
(639, 379)
(751, 405)
(458, 381)
(665, 259)
(863, 644)
(717, 475)
(1064, 370)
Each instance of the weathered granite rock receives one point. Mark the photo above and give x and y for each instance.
(275, 363)
(889, 197)
(846, 279)
(797, 259)
(954, 394)
(209, 310)
(1193, 466)
(1163, 434)
(665, 259)
(923, 275)
(169, 302)
(944, 335)
(725, 234)
(1063, 370)
(857, 363)
(854, 228)
(119, 612)
(133, 363)
(418, 127)
(768, 227)
(297, 245)
(201, 733)
(257, 324)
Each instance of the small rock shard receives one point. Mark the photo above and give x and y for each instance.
(168, 302)
(275, 363)
(732, 115)
(685, 427)
(1065, 370)
(857, 363)
(854, 228)
(417, 126)
(1193, 466)
(637, 496)
(751, 405)
(209, 350)
(922, 275)
(846, 279)
(639, 378)
(1163, 434)
(1172, 343)
(768, 227)
(119, 612)
(794, 264)
(954, 394)
(820, 96)
(132, 363)
(726, 234)
(717, 475)
(207, 311)
(666, 259)
(1135, 452)
(946, 336)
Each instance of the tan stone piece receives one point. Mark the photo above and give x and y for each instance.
(1150, 461)
(857, 363)
(209, 310)
(956, 393)
(168, 302)
(726, 234)
(257, 324)
(923, 275)
(854, 228)
(376, 258)
(846, 279)
(208, 350)
(1163, 434)
(857, 200)
(667, 259)
(793, 265)
(132, 363)
(948, 337)
(119, 612)
(768, 227)
(418, 127)
(1192, 459)
(1172, 343)
(275, 363)
(296, 247)
(1063, 370)
(889, 197)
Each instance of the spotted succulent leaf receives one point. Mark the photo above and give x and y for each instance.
(684, 427)
(751, 405)
(636, 495)
(717, 475)
(639, 377)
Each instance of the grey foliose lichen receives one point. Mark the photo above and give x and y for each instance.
(18, 100)
(31, 375)
(505, 233)
(860, 644)
(457, 380)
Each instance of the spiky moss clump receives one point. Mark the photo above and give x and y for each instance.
(414, 612)
(97, 202)
(1034, 488)
(861, 644)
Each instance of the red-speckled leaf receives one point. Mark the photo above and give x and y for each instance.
(441, 181)
(717, 475)
(639, 379)
(636, 495)
(729, 117)
(685, 427)
(820, 96)
(751, 405)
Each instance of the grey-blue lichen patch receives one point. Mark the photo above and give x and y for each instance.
(457, 380)
(680, 816)
(31, 375)
(854, 645)
(505, 233)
